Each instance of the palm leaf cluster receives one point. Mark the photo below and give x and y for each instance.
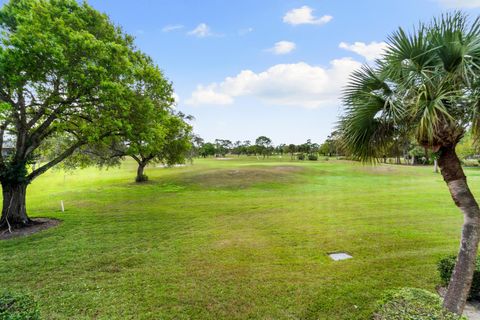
(425, 84)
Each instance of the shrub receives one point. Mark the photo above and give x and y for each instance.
(16, 306)
(470, 162)
(301, 156)
(312, 157)
(445, 267)
(412, 304)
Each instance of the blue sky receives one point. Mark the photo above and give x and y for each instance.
(246, 68)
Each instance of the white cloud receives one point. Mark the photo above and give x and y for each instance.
(201, 31)
(208, 95)
(459, 3)
(172, 27)
(176, 97)
(297, 84)
(283, 47)
(370, 51)
(304, 15)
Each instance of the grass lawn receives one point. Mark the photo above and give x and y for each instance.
(239, 239)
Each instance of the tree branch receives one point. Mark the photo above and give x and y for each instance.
(6, 97)
(44, 106)
(68, 152)
(136, 158)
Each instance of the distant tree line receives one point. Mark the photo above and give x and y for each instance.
(403, 149)
(264, 147)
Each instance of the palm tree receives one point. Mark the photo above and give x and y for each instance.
(427, 84)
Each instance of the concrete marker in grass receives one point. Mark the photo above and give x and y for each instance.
(338, 256)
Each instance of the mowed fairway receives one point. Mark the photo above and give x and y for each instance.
(238, 239)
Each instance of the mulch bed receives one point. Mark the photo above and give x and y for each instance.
(39, 224)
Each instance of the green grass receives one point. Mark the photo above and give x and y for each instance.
(240, 239)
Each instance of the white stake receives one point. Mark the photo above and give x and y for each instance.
(61, 204)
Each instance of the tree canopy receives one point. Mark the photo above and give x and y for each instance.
(425, 84)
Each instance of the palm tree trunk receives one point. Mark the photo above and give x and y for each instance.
(461, 281)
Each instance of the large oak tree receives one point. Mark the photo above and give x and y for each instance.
(68, 74)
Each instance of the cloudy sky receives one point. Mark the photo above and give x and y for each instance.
(246, 68)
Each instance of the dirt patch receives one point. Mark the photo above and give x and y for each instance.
(39, 224)
(288, 168)
(377, 169)
(242, 177)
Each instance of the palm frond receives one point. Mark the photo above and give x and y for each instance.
(368, 124)
(427, 83)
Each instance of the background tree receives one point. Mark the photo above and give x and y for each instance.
(263, 145)
(223, 147)
(67, 73)
(325, 148)
(280, 149)
(197, 143)
(426, 84)
(162, 136)
(237, 148)
(467, 148)
(207, 149)
(292, 149)
(167, 142)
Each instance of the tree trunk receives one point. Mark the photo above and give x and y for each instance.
(14, 213)
(141, 177)
(461, 281)
(435, 166)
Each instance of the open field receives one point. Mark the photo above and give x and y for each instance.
(232, 239)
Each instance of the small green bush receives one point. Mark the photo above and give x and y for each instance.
(412, 304)
(445, 267)
(301, 156)
(16, 306)
(312, 157)
(470, 163)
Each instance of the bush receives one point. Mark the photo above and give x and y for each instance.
(445, 267)
(471, 163)
(312, 157)
(15, 306)
(301, 156)
(412, 304)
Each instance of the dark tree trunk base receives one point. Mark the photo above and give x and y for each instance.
(141, 177)
(36, 225)
(14, 213)
(11, 226)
